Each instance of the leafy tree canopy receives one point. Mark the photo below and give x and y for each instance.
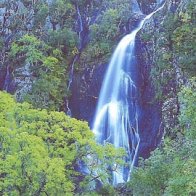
(171, 169)
(42, 153)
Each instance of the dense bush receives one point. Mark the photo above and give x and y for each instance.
(46, 66)
(170, 170)
(40, 152)
(175, 45)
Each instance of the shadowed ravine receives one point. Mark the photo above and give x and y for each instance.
(116, 117)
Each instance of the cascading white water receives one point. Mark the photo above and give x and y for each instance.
(116, 118)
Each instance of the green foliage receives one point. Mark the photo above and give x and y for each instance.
(187, 98)
(97, 51)
(105, 33)
(109, 26)
(1, 43)
(64, 39)
(162, 74)
(152, 176)
(108, 191)
(33, 42)
(40, 150)
(41, 15)
(28, 47)
(171, 169)
(185, 46)
(103, 36)
(61, 11)
(46, 64)
(175, 45)
(145, 37)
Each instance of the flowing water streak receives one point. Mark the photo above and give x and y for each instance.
(116, 118)
(69, 84)
(7, 79)
(81, 27)
(80, 23)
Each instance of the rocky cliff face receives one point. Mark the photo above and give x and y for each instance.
(40, 18)
(158, 84)
(17, 18)
(159, 55)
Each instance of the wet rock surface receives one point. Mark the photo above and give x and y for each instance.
(155, 117)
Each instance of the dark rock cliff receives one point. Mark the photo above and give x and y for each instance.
(85, 92)
(162, 61)
(156, 117)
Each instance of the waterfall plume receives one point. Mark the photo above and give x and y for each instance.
(116, 117)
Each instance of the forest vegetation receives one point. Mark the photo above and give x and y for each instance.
(43, 151)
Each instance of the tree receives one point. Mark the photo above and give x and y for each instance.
(187, 118)
(46, 66)
(61, 11)
(47, 152)
(107, 30)
(170, 170)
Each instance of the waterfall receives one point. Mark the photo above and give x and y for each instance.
(81, 27)
(116, 117)
(80, 24)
